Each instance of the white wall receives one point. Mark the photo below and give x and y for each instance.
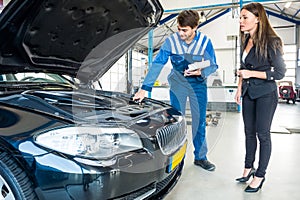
(116, 78)
(223, 33)
(286, 30)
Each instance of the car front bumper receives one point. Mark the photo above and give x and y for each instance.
(134, 176)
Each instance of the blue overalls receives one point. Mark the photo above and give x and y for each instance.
(181, 87)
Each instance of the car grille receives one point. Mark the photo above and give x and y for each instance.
(171, 136)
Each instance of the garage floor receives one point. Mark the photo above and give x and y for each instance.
(226, 150)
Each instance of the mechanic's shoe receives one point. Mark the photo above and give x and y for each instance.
(205, 164)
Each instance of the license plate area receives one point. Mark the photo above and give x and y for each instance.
(176, 158)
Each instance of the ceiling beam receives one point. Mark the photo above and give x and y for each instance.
(168, 18)
(283, 17)
(225, 5)
(214, 17)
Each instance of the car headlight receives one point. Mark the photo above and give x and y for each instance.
(90, 142)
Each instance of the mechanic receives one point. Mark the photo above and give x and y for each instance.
(193, 59)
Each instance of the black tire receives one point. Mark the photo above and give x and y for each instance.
(295, 98)
(14, 182)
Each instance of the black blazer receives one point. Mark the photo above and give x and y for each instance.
(274, 67)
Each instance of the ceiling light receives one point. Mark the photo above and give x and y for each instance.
(202, 17)
(288, 4)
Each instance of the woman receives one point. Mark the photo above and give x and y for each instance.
(261, 65)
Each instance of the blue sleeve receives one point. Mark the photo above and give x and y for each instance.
(154, 70)
(209, 54)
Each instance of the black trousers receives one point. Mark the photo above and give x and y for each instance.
(258, 115)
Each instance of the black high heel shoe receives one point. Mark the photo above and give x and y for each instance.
(250, 189)
(246, 178)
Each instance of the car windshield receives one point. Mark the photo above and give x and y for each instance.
(31, 80)
(33, 77)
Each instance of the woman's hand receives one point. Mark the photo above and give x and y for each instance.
(238, 95)
(244, 73)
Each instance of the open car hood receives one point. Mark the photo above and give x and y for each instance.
(82, 38)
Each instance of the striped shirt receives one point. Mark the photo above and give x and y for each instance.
(181, 55)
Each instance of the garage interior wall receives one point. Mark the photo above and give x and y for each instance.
(223, 32)
(116, 78)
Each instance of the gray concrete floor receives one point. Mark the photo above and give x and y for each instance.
(226, 150)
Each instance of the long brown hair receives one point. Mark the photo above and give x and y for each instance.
(265, 37)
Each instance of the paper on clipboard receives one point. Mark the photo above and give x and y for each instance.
(199, 65)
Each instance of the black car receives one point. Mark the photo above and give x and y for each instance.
(59, 137)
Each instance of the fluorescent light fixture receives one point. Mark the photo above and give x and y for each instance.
(288, 4)
(202, 17)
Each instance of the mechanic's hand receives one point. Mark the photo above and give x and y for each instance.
(188, 72)
(140, 95)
